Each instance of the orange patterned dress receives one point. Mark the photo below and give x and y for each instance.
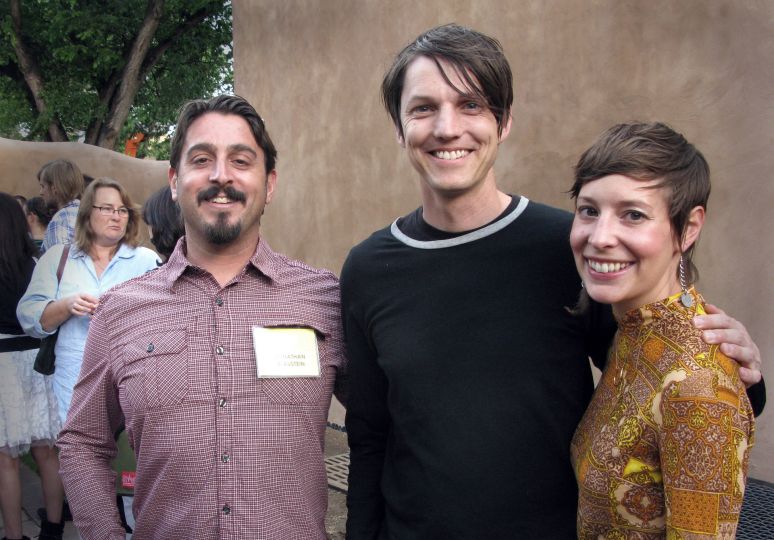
(662, 450)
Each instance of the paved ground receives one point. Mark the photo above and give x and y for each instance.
(335, 444)
(757, 521)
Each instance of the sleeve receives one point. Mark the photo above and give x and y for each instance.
(601, 328)
(332, 296)
(41, 291)
(86, 442)
(56, 232)
(704, 444)
(757, 395)
(367, 418)
(149, 259)
(341, 384)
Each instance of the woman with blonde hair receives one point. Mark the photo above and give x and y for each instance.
(104, 254)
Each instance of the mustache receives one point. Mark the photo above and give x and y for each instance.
(213, 191)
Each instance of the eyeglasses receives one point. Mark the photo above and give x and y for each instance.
(108, 211)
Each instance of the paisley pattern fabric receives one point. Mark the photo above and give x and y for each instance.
(662, 450)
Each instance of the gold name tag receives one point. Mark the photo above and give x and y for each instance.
(286, 352)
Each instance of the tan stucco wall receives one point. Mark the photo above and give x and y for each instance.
(21, 161)
(313, 69)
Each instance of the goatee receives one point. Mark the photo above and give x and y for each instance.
(222, 232)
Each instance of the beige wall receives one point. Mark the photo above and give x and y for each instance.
(313, 69)
(20, 162)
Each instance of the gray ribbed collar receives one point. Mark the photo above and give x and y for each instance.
(472, 236)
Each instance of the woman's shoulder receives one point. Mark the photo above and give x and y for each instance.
(52, 256)
(675, 350)
(139, 253)
(693, 370)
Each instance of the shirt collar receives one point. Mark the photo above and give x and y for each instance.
(124, 252)
(264, 259)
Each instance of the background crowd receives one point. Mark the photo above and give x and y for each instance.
(58, 253)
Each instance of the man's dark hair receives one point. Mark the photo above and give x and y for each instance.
(162, 215)
(652, 151)
(38, 207)
(477, 59)
(225, 105)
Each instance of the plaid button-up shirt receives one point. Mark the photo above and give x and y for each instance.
(61, 228)
(220, 453)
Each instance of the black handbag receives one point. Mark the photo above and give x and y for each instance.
(44, 361)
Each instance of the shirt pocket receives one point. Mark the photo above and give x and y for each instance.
(156, 369)
(302, 390)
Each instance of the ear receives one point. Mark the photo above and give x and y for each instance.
(271, 184)
(172, 177)
(692, 228)
(506, 128)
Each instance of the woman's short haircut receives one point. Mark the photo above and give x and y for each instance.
(65, 179)
(38, 207)
(162, 215)
(652, 151)
(476, 58)
(225, 104)
(84, 234)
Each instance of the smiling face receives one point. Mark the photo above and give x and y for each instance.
(451, 138)
(108, 230)
(221, 183)
(623, 242)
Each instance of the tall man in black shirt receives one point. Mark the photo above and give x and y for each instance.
(467, 374)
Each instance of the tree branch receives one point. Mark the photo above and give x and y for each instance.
(106, 93)
(130, 75)
(155, 54)
(31, 73)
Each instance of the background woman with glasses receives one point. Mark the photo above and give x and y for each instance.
(104, 254)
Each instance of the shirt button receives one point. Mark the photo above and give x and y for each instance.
(219, 349)
(149, 348)
(225, 458)
(218, 301)
(226, 509)
(222, 402)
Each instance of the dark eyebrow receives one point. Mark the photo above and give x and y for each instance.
(619, 204)
(242, 148)
(210, 149)
(207, 147)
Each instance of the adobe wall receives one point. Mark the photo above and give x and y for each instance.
(20, 162)
(313, 69)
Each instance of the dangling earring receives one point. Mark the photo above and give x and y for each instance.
(685, 299)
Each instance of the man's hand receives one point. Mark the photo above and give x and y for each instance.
(720, 329)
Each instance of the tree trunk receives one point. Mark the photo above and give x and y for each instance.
(32, 77)
(130, 76)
